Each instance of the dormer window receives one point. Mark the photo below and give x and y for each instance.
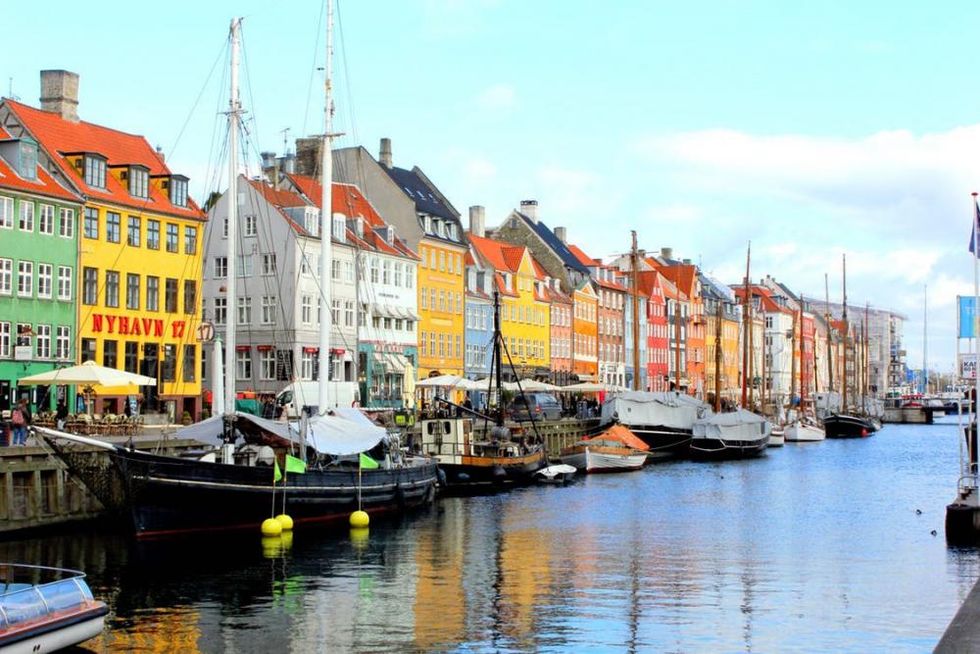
(339, 227)
(95, 170)
(427, 224)
(452, 231)
(178, 190)
(139, 181)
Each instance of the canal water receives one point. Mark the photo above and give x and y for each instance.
(817, 547)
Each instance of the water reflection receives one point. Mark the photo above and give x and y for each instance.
(799, 551)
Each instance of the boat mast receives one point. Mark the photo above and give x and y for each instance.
(925, 341)
(846, 332)
(826, 317)
(677, 344)
(498, 365)
(634, 266)
(746, 329)
(231, 301)
(718, 314)
(326, 219)
(866, 387)
(792, 368)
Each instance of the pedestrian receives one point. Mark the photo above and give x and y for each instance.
(61, 415)
(20, 418)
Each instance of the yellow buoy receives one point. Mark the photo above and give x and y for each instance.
(359, 519)
(285, 521)
(271, 527)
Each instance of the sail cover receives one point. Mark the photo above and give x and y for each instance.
(653, 409)
(735, 425)
(211, 430)
(345, 431)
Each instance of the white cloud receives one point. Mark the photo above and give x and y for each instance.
(477, 170)
(499, 97)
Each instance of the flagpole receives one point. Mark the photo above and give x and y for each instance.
(976, 323)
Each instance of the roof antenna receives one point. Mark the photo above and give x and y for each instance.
(285, 141)
(10, 89)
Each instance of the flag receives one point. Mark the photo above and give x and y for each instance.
(976, 228)
(277, 474)
(966, 313)
(295, 465)
(367, 463)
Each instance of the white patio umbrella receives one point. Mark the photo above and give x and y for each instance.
(447, 381)
(89, 373)
(535, 385)
(593, 387)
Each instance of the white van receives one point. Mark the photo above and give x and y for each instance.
(301, 394)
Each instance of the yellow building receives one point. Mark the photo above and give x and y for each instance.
(139, 279)
(441, 288)
(525, 316)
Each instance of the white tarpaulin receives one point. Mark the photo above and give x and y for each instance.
(348, 431)
(653, 409)
(211, 430)
(738, 425)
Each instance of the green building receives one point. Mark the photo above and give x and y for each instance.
(38, 276)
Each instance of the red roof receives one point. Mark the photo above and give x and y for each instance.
(43, 185)
(583, 258)
(683, 275)
(60, 137)
(502, 256)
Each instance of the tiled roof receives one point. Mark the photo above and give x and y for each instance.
(582, 257)
(419, 192)
(60, 137)
(502, 256)
(43, 185)
(554, 243)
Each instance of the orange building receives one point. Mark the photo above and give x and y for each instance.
(585, 332)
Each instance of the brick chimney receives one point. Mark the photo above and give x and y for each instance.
(477, 221)
(385, 155)
(530, 209)
(561, 234)
(59, 93)
(667, 253)
(308, 156)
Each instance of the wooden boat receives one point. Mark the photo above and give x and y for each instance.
(615, 450)
(803, 430)
(46, 609)
(735, 435)
(844, 425)
(662, 420)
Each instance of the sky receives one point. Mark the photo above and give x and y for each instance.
(812, 131)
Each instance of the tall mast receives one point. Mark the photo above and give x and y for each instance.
(497, 363)
(746, 330)
(846, 333)
(718, 355)
(866, 388)
(792, 367)
(326, 218)
(677, 344)
(634, 266)
(231, 302)
(826, 317)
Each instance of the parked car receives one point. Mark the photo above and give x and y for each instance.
(539, 406)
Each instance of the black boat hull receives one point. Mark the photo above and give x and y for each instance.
(168, 495)
(664, 442)
(490, 475)
(846, 426)
(714, 449)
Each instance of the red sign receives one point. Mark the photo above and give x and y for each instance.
(135, 326)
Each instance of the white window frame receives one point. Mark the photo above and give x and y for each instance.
(42, 341)
(63, 342)
(6, 212)
(6, 276)
(25, 219)
(45, 280)
(45, 220)
(66, 226)
(22, 275)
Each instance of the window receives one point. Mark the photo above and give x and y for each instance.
(112, 226)
(348, 313)
(190, 363)
(111, 288)
(170, 296)
(6, 213)
(91, 222)
(349, 272)
(62, 343)
(386, 272)
(66, 228)
(133, 236)
(109, 353)
(88, 349)
(306, 365)
(190, 240)
(268, 310)
(26, 216)
(422, 342)
(4, 339)
(424, 299)
(244, 311)
(169, 372)
(139, 181)
(307, 309)
(442, 261)
(409, 276)
(153, 234)
(335, 311)
(131, 356)
(43, 341)
(244, 265)
(45, 274)
(335, 269)
(90, 285)
(6, 276)
(178, 191)
(375, 270)
(64, 283)
(171, 237)
(220, 267)
(95, 171)
(249, 225)
(220, 310)
(268, 264)
(45, 223)
(398, 274)
(152, 293)
(243, 364)
(267, 364)
(25, 278)
(132, 291)
(190, 297)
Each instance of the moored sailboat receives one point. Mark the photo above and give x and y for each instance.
(734, 435)
(616, 449)
(345, 462)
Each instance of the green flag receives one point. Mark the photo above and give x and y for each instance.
(276, 475)
(295, 465)
(367, 463)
